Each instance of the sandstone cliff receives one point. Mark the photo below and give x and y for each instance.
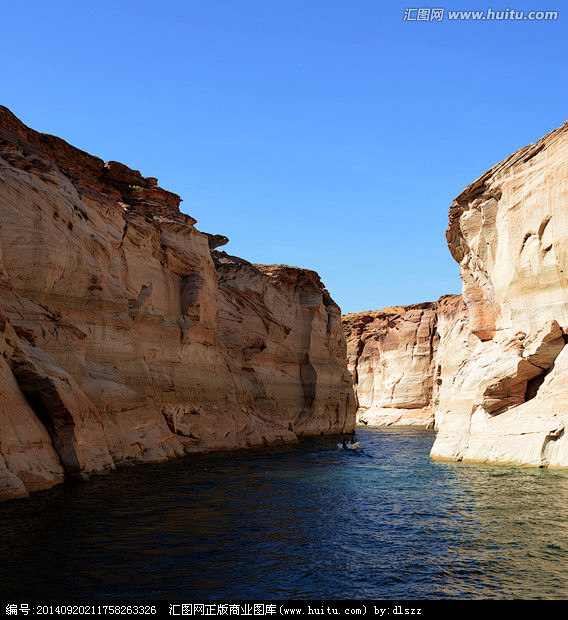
(126, 336)
(489, 368)
(507, 401)
(395, 357)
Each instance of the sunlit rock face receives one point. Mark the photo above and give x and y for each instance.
(126, 336)
(507, 402)
(393, 355)
(487, 369)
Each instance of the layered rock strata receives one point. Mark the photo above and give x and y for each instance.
(507, 401)
(126, 336)
(397, 357)
(488, 369)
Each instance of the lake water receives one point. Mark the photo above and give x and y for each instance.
(307, 521)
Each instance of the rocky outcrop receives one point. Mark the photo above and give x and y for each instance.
(126, 336)
(283, 331)
(507, 401)
(488, 369)
(395, 357)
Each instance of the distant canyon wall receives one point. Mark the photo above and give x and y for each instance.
(127, 336)
(488, 369)
(397, 357)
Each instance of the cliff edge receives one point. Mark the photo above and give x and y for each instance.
(127, 336)
(488, 368)
(507, 401)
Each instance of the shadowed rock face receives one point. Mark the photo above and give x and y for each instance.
(283, 330)
(507, 402)
(393, 355)
(126, 337)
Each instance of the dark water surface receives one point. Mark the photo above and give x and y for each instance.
(307, 521)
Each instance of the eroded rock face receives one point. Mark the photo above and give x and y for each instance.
(489, 368)
(393, 358)
(508, 400)
(283, 332)
(123, 338)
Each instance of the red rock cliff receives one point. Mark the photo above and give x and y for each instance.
(393, 355)
(126, 337)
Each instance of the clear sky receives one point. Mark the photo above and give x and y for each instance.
(327, 134)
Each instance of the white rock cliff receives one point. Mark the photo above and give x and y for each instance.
(488, 369)
(507, 401)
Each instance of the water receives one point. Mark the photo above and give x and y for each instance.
(307, 521)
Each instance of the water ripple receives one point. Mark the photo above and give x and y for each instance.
(303, 521)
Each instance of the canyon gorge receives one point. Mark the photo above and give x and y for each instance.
(128, 336)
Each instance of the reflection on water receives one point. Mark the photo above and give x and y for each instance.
(304, 521)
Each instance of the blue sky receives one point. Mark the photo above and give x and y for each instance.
(326, 134)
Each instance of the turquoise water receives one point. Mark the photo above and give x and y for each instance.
(307, 521)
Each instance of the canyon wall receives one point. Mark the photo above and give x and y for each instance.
(127, 336)
(398, 356)
(488, 369)
(507, 401)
